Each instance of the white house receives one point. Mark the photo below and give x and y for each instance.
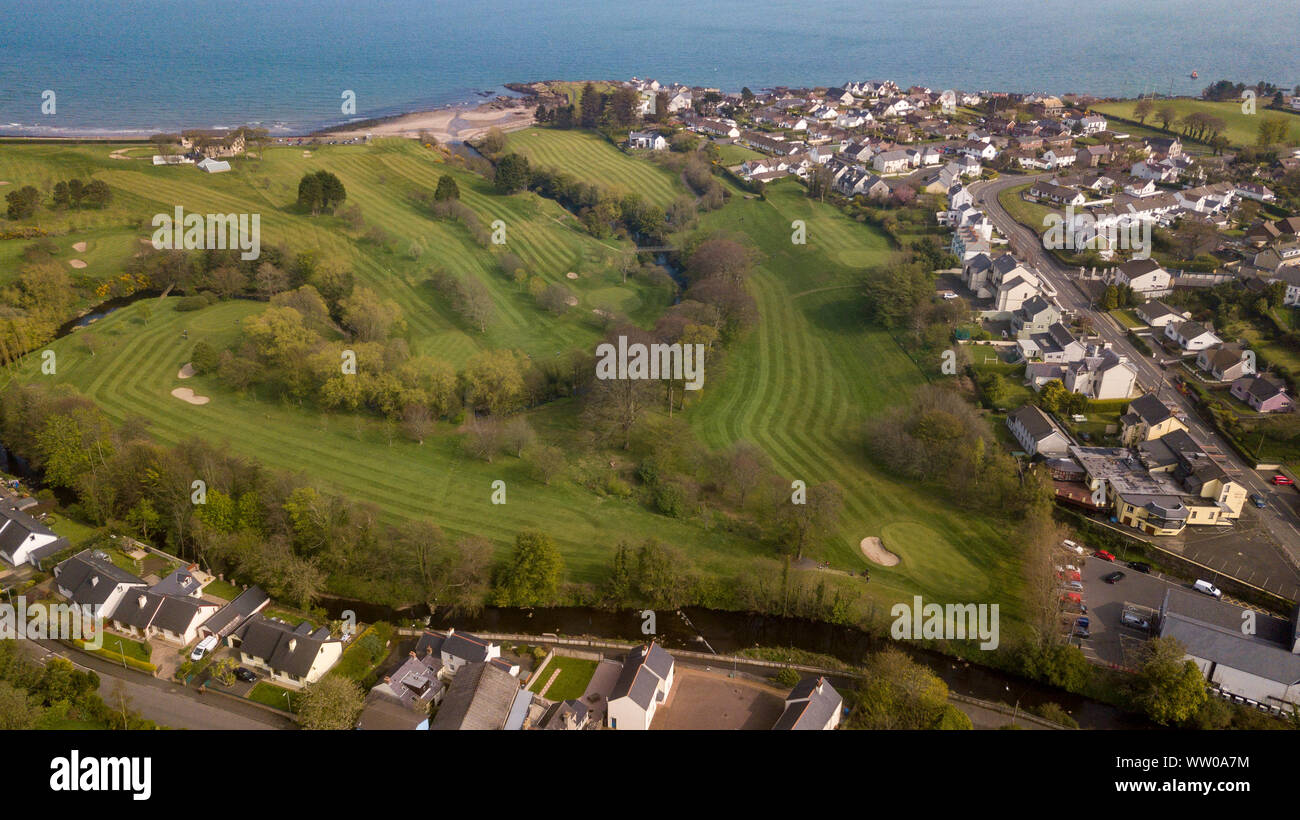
(646, 139)
(1157, 314)
(455, 649)
(1191, 336)
(1103, 374)
(292, 656)
(146, 614)
(892, 162)
(24, 540)
(1144, 276)
(645, 683)
(812, 705)
(87, 579)
(1037, 433)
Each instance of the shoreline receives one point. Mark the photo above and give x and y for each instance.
(452, 122)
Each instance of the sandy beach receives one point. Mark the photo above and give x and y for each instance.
(445, 124)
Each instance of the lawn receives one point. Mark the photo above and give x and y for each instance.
(1030, 214)
(76, 532)
(730, 154)
(591, 158)
(222, 589)
(1242, 128)
(1126, 318)
(575, 674)
(268, 694)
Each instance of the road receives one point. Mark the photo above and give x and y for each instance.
(1280, 518)
(168, 704)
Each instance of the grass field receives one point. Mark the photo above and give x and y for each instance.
(1030, 214)
(802, 386)
(730, 154)
(805, 384)
(590, 158)
(575, 674)
(277, 697)
(1242, 128)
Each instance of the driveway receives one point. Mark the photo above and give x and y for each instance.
(715, 700)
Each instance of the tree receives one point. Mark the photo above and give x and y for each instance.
(331, 703)
(495, 380)
(447, 189)
(22, 202)
(1143, 109)
(899, 693)
(534, 574)
(320, 191)
(592, 106)
(815, 518)
(1168, 115)
(18, 709)
(513, 173)
(1166, 687)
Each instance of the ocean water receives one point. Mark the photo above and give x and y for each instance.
(139, 66)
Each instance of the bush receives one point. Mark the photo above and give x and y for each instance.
(789, 676)
(670, 499)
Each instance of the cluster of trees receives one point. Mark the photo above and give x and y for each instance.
(48, 695)
(938, 436)
(602, 212)
(899, 693)
(320, 191)
(22, 202)
(1226, 90)
(75, 193)
(34, 303)
(1273, 130)
(595, 109)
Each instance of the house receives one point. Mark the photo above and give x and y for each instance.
(812, 705)
(213, 143)
(1037, 433)
(292, 656)
(1091, 124)
(147, 613)
(456, 649)
(717, 128)
(645, 683)
(892, 162)
(1264, 395)
(1036, 315)
(1147, 419)
(1157, 314)
(1191, 336)
(481, 697)
(403, 699)
(90, 579)
(1255, 191)
(1090, 156)
(1051, 192)
(235, 614)
(651, 140)
(1055, 346)
(1101, 374)
(1259, 667)
(1007, 282)
(983, 151)
(24, 540)
(855, 181)
(1144, 276)
(1226, 362)
(214, 166)
(1208, 199)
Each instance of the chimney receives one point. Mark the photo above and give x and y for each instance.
(94, 581)
(412, 653)
(293, 644)
(142, 599)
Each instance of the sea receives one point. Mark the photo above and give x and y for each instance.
(135, 67)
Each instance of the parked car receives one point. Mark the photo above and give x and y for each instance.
(1113, 578)
(1080, 632)
(245, 674)
(204, 647)
(1103, 555)
(1139, 566)
(1134, 619)
(1207, 588)
(1072, 547)
(1282, 480)
(1257, 501)
(1073, 597)
(1083, 622)
(1075, 586)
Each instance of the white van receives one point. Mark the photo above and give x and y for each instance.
(205, 646)
(1208, 589)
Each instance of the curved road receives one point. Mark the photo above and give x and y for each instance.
(1279, 517)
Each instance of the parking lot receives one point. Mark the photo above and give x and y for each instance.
(1112, 642)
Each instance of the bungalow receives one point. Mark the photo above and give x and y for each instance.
(651, 140)
(645, 682)
(1037, 433)
(1226, 362)
(813, 704)
(24, 540)
(147, 613)
(1264, 395)
(1255, 191)
(1051, 192)
(1144, 276)
(717, 128)
(1191, 336)
(293, 656)
(235, 614)
(1157, 314)
(90, 579)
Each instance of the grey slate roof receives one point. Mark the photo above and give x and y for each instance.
(479, 698)
(644, 668)
(1211, 630)
(91, 580)
(286, 649)
(233, 615)
(1150, 409)
(16, 527)
(810, 705)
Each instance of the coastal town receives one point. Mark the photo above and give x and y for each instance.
(1085, 307)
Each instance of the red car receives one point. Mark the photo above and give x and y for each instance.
(1283, 480)
(1103, 555)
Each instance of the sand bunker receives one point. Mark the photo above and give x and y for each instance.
(4, 182)
(876, 552)
(571, 301)
(186, 371)
(187, 395)
(306, 153)
(79, 247)
(76, 263)
(571, 275)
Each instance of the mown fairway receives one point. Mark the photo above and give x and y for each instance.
(1243, 128)
(805, 384)
(802, 386)
(589, 158)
